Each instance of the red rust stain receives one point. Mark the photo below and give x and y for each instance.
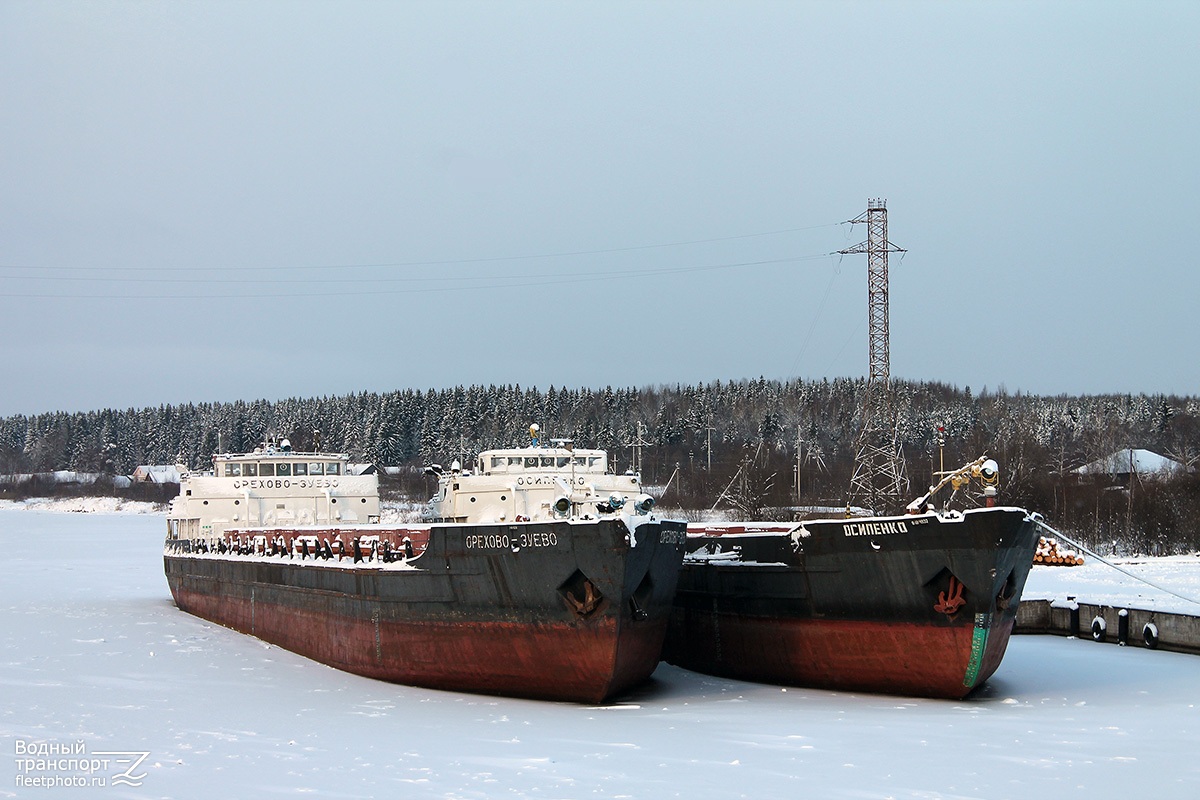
(341, 541)
(583, 662)
(889, 657)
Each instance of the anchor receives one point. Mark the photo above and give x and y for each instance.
(950, 605)
(589, 602)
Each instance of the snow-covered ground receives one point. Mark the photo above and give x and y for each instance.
(82, 505)
(94, 655)
(1173, 583)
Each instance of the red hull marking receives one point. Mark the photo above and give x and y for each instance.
(585, 662)
(892, 657)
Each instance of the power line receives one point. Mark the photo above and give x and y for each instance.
(443, 262)
(815, 317)
(506, 283)
(393, 279)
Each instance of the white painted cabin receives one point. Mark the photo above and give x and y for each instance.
(534, 484)
(271, 487)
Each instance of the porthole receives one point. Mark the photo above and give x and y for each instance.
(472, 499)
(205, 502)
(235, 502)
(502, 497)
(334, 500)
(363, 500)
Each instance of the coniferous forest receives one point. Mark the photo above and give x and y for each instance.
(756, 448)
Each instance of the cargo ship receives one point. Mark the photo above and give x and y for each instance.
(921, 603)
(537, 573)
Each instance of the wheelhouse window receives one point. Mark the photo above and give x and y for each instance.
(250, 470)
(283, 469)
(316, 469)
(266, 470)
(233, 470)
(333, 469)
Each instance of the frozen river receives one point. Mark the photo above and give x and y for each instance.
(94, 657)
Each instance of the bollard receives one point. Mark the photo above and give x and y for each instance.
(1123, 627)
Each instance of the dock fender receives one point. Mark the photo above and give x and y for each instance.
(1150, 635)
(1099, 627)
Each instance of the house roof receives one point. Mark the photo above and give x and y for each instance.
(1131, 460)
(157, 473)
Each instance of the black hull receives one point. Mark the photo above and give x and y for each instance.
(564, 611)
(914, 605)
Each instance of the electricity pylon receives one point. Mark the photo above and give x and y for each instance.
(880, 479)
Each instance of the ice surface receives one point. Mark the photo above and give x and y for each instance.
(93, 649)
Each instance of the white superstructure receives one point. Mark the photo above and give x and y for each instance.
(272, 486)
(534, 484)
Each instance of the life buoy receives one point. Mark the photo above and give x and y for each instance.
(1099, 626)
(1150, 635)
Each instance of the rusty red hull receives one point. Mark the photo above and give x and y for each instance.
(579, 663)
(913, 606)
(583, 620)
(850, 655)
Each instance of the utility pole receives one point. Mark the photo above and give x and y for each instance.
(708, 439)
(880, 478)
(636, 448)
(799, 461)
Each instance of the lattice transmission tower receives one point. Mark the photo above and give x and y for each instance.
(880, 479)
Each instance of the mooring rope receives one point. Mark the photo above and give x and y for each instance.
(1037, 518)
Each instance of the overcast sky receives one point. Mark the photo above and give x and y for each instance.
(220, 201)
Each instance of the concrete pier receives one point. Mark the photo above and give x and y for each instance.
(1132, 627)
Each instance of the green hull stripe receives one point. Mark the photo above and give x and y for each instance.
(979, 639)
